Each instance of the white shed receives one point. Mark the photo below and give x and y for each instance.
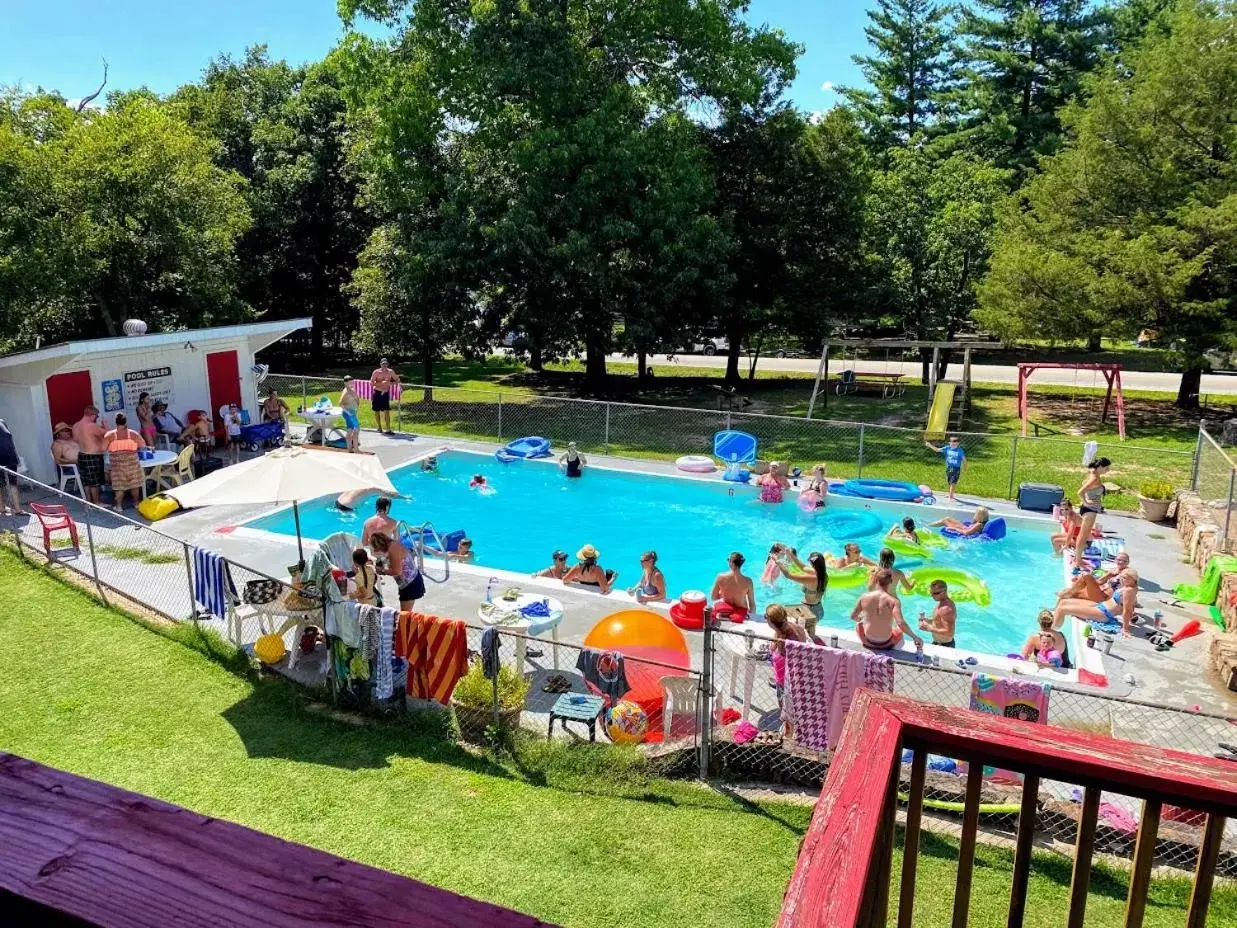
(193, 369)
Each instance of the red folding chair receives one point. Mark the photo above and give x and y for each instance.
(53, 518)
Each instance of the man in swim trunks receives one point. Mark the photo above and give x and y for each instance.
(955, 462)
(876, 615)
(734, 594)
(380, 521)
(381, 380)
(88, 432)
(944, 618)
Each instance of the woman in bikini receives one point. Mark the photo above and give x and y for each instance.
(1071, 524)
(1091, 504)
(402, 565)
(558, 567)
(899, 579)
(146, 420)
(814, 581)
(1118, 608)
(965, 529)
(588, 572)
(652, 585)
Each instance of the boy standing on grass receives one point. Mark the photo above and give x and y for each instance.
(955, 462)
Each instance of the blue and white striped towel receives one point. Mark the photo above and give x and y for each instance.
(210, 582)
(384, 678)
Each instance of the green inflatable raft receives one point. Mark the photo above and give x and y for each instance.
(963, 587)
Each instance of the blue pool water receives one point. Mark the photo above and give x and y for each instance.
(693, 525)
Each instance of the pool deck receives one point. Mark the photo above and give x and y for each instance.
(1175, 677)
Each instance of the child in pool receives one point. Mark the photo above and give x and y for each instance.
(430, 465)
(905, 530)
(478, 480)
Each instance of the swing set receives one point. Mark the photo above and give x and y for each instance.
(1112, 375)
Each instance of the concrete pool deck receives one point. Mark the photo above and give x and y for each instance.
(1176, 677)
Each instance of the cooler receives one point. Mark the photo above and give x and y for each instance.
(1041, 497)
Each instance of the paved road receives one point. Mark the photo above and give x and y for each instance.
(1164, 381)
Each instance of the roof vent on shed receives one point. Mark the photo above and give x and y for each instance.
(134, 327)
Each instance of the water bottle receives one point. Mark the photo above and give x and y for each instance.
(1158, 618)
(833, 641)
(489, 589)
(919, 651)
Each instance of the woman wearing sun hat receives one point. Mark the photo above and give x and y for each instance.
(588, 572)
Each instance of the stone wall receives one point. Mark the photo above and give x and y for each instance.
(1199, 531)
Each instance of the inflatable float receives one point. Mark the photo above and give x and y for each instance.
(898, 491)
(527, 448)
(845, 577)
(963, 587)
(848, 524)
(927, 538)
(907, 548)
(695, 464)
(994, 530)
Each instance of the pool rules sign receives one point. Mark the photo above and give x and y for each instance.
(157, 381)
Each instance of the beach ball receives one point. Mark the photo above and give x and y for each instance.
(269, 649)
(627, 723)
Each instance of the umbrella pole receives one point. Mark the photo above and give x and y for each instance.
(300, 548)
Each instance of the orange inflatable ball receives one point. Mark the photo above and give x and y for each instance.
(637, 628)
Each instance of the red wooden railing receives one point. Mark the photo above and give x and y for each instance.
(74, 851)
(842, 878)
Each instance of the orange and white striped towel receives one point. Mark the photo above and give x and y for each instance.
(437, 653)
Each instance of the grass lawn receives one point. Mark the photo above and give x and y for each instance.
(576, 835)
(1161, 438)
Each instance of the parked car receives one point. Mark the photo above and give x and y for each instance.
(709, 346)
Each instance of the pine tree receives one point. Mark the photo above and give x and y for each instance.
(1027, 59)
(911, 72)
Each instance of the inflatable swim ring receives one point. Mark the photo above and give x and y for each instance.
(695, 464)
(963, 587)
(849, 523)
(927, 538)
(906, 548)
(845, 577)
(897, 490)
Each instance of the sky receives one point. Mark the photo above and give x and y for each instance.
(61, 44)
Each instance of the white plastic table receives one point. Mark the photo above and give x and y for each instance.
(322, 418)
(153, 466)
(505, 614)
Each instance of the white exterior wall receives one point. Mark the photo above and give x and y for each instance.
(29, 420)
(25, 412)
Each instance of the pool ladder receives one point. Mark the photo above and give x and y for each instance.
(420, 533)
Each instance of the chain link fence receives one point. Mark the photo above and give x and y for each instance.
(741, 679)
(1215, 480)
(996, 463)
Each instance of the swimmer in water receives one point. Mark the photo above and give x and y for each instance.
(905, 530)
(430, 465)
(852, 556)
(478, 480)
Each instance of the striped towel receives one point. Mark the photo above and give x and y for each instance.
(437, 654)
(384, 678)
(365, 390)
(210, 582)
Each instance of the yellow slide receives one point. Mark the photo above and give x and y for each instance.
(938, 412)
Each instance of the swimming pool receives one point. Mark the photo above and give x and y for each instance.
(693, 524)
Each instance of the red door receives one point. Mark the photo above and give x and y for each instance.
(67, 395)
(223, 379)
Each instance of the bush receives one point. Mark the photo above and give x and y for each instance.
(1156, 489)
(474, 691)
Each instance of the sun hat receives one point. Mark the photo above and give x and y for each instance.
(61, 427)
(588, 551)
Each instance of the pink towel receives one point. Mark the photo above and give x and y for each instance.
(1014, 699)
(823, 683)
(364, 389)
(771, 572)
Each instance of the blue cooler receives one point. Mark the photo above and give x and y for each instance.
(1040, 497)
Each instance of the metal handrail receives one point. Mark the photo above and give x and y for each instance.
(427, 528)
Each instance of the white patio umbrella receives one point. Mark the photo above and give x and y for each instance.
(286, 475)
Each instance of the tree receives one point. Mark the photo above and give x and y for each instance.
(125, 214)
(929, 229)
(1027, 59)
(913, 73)
(1134, 223)
(574, 115)
(790, 199)
(284, 130)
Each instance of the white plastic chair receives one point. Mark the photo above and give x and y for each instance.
(679, 696)
(69, 473)
(163, 440)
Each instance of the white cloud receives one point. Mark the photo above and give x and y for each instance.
(827, 86)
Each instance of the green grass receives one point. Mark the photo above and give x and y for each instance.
(1160, 437)
(128, 553)
(579, 835)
